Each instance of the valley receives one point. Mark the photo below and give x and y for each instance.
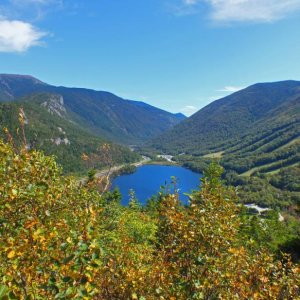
(100, 113)
(253, 133)
(236, 167)
(70, 122)
(150, 150)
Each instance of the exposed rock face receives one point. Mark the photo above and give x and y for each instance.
(26, 121)
(55, 105)
(61, 130)
(58, 141)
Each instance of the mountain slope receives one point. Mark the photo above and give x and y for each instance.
(230, 118)
(13, 86)
(49, 127)
(271, 143)
(255, 134)
(102, 113)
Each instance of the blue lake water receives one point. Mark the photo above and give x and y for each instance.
(148, 179)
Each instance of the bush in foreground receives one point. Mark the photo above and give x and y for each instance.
(62, 241)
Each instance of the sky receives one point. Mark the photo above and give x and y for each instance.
(178, 55)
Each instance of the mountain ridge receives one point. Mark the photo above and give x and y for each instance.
(254, 134)
(49, 127)
(100, 112)
(226, 118)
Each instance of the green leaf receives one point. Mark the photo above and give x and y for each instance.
(84, 247)
(69, 291)
(3, 291)
(52, 280)
(84, 280)
(68, 259)
(67, 279)
(12, 296)
(83, 293)
(63, 246)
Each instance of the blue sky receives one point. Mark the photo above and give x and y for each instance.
(178, 55)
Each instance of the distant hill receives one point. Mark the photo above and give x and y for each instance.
(50, 127)
(255, 135)
(101, 113)
(257, 128)
(227, 118)
(270, 144)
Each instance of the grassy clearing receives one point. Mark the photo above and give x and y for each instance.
(276, 171)
(292, 142)
(251, 171)
(214, 155)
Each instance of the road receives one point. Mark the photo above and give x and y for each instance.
(109, 171)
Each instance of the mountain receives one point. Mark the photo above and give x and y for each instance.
(50, 127)
(211, 128)
(270, 144)
(101, 113)
(255, 135)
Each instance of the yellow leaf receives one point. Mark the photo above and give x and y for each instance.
(36, 234)
(11, 254)
(84, 157)
(30, 224)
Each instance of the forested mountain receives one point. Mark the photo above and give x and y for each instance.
(232, 117)
(271, 143)
(254, 133)
(48, 126)
(252, 127)
(101, 113)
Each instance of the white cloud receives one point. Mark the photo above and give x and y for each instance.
(231, 89)
(189, 110)
(17, 32)
(18, 36)
(248, 10)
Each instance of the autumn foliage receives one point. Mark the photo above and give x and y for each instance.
(61, 240)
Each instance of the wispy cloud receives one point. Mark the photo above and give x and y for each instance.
(30, 9)
(189, 110)
(180, 8)
(44, 3)
(247, 10)
(231, 89)
(18, 36)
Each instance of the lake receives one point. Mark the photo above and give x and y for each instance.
(148, 179)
